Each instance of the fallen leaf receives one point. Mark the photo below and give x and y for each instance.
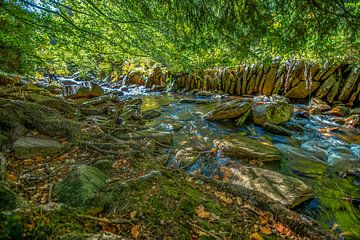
(133, 214)
(335, 226)
(134, 231)
(11, 177)
(202, 213)
(256, 236)
(222, 196)
(265, 230)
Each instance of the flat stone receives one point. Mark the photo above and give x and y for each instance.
(35, 147)
(228, 110)
(286, 190)
(248, 148)
(162, 137)
(80, 186)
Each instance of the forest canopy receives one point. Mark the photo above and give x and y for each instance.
(180, 34)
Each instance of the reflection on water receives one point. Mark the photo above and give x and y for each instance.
(317, 150)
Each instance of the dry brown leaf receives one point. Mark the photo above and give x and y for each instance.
(265, 230)
(202, 213)
(256, 236)
(135, 231)
(119, 163)
(223, 198)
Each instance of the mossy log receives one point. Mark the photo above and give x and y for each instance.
(18, 116)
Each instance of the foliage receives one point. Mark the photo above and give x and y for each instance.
(181, 34)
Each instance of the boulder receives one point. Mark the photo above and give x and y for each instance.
(29, 147)
(286, 190)
(275, 129)
(152, 113)
(274, 112)
(316, 106)
(80, 186)
(302, 90)
(248, 149)
(228, 110)
(88, 90)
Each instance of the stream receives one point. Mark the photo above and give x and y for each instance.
(337, 198)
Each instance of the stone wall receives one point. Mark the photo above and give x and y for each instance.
(295, 79)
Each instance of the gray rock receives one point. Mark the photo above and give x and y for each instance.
(185, 158)
(275, 113)
(29, 147)
(152, 113)
(248, 148)
(354, 111)
(286, 190)
(150, 146)
(80, 186)
(228, 110)
(275, 129)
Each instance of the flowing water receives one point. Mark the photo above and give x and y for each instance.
(334, 148)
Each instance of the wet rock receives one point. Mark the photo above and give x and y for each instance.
(35, 147)
(185, 158)
(353, 120)
(241, 120)
(286, 190)
(355, 111)
(339, 111)
(228, 110)
(275, 129)
(275, 113)
(195, 101)
(80, 186)
(152, 113)
(317, 105)
(248, 149)
(302, 90)
(88, 90)
(302, 163)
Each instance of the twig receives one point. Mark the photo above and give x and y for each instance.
(105, 220)
(203, 230)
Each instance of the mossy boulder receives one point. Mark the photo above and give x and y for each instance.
(228, 110)
(274, 112)
(88, 90)
(152, 113)
(29, 147)
(80, 186)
